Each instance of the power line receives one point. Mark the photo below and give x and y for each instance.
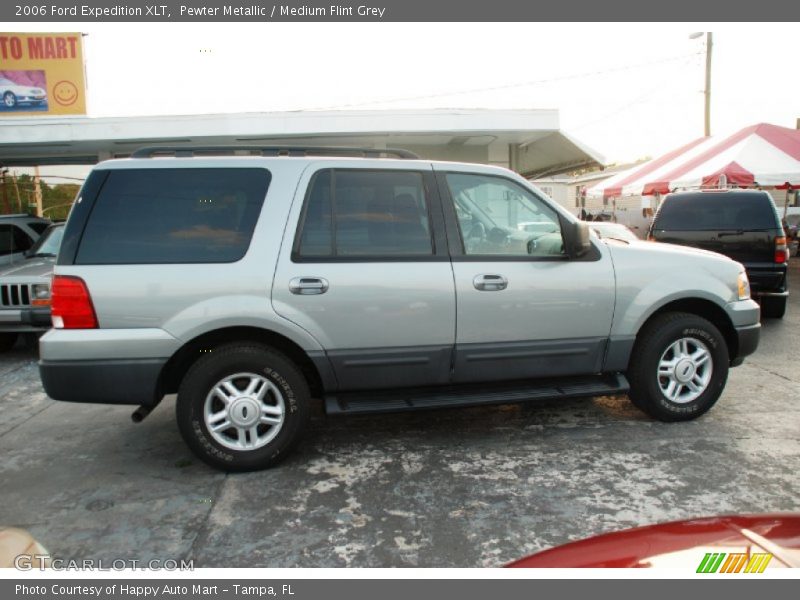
(645, 97)
(512, 85)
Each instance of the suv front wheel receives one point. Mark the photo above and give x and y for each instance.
(678, 367)
(242, 407)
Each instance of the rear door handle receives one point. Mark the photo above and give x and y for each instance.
(489, 282)
(306, 286)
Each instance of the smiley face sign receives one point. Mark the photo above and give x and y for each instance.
(65, 93)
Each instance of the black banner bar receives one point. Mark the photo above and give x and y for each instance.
(187, 11)
(271, 588)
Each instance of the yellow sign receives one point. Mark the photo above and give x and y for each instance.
(41, 74)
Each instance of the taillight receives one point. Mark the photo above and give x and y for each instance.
(781, 250)
(72, 306)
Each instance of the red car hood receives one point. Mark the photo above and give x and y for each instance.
(680, 544)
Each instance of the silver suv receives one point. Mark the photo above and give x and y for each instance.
(257, 283)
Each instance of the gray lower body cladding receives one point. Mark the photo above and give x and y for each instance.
(130, 381)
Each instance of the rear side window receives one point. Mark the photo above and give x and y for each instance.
(159, 216)
(713, 210)
(361, 213)
(13, 239)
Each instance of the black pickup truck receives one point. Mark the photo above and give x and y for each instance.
(741, 224)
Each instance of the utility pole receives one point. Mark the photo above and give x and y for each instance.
(709, 47)
(16, 191)
(6, 206)
(37, 191)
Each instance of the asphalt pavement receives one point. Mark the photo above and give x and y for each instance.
(457, 488)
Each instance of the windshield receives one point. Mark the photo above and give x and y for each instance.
(49, 243)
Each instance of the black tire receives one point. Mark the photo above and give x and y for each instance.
(226, 361)
(773, 307)
(7, 341)
(652, 342)
(9, 100)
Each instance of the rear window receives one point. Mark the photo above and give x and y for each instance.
(151, 216)
(711, 210)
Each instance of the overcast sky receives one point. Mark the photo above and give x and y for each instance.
(626, 90)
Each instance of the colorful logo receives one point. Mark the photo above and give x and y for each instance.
(720, 562)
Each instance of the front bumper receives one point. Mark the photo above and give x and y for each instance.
(128, 381)
(747, 342)
(745, 316)
(25, 320)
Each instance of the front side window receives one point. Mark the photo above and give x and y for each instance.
(361, 213)
(167, 216)
(497, 216)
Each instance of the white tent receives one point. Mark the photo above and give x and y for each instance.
(761, 155)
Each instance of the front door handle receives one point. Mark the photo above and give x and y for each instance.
(306, 286)
(490, 282)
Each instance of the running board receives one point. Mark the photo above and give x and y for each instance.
(362, 403)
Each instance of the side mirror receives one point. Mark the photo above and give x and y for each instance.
(576, 238)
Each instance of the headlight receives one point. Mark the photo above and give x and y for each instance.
(40, 294)
(744, 286)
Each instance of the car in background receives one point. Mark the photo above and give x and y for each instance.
(739, 223)
(14, 94)
(723, 544)
(25, 289)
(614, 231)
(793, 232)
(18, 233)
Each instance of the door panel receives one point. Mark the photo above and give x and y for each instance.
(524, 309)
(552, 319)
(368, 275)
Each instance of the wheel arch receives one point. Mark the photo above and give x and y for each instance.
(314, 365)
(706, 309)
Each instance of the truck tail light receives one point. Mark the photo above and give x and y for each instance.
(72, 306)
(781, 250)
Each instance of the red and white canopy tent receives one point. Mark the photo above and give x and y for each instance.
(761, 155)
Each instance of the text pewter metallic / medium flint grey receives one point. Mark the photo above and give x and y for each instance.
(432, 11)
(367, 281)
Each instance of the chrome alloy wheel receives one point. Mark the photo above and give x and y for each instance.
(684, 370)
(244, 411)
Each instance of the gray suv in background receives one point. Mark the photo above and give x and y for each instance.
(25, 289)
(368, 280)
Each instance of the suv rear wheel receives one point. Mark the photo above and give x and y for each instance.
(678, 367)
(242, 407)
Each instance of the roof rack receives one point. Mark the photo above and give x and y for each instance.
(190, 151)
